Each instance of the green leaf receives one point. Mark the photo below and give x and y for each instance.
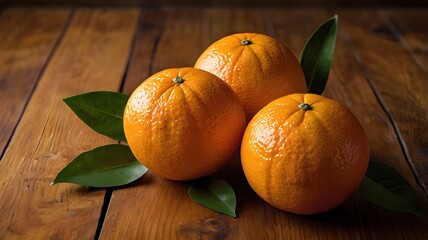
(384, 187)
(317, 56)
(214, 194)
(106, 166)
(102, 111)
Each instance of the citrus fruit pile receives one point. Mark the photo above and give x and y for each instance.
(302, 153)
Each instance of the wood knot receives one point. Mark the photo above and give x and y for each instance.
(209, 228)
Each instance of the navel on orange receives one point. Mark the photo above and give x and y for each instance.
(183, 123)
(257, 67)
(304, 153)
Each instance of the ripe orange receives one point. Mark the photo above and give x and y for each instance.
(257, 67)
(304, 153)
(183, 123)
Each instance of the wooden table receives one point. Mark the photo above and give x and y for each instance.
(380, 73)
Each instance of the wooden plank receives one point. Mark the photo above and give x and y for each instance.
(92, 56)
(145, 48)
(410, 27)
(347, 84)
(399, 83)
(219, 23)
(150, 209)
(27, 38)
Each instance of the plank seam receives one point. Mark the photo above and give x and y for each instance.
(103, 212)
(384, 107)
(154, 50)
(132, 51)
(39, 76)
(403, 41)
(131, 55)
(409, 49)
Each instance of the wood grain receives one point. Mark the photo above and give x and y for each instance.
(219, 23)
(410, 27)
(27, 38)
(399, 83)
(92, 56)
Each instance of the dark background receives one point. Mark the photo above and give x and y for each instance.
(226, 3)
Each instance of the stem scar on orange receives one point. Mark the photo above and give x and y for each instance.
(304, 153)
(183, 123)
(258, 68)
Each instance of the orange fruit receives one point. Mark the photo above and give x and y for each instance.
(183, 123)
(258, 68)
(304, 153)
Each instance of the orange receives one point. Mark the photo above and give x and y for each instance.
(183, 123)
(304, 153)
(258, 68)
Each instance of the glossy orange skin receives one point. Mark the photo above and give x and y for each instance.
(301, 161)
(259, 72)
(183, 131)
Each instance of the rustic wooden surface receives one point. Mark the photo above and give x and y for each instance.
(24, 52)
(380, 73)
